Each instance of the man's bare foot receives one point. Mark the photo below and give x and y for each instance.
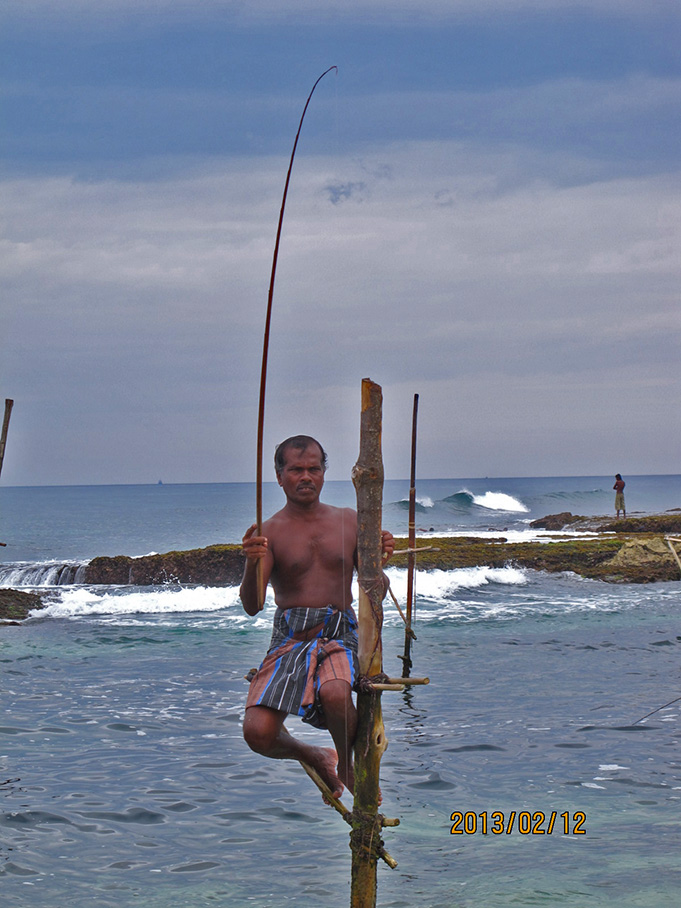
(325, 765)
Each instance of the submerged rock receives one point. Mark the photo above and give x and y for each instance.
(555, 521)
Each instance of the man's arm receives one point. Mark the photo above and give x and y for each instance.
(255, 548)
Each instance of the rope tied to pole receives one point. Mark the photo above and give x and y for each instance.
(364, 683)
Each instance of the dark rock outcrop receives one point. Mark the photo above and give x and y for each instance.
(647, 523)
(15, 605)
(555, 521)
(615, 559)
(652, 523)
(217, 565)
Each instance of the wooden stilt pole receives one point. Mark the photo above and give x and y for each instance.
(370, 743)
(411, 557)
(5, 426)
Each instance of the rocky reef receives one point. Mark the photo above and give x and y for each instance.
(615, 560)
(661, 524)
(631, 550)
(217, 565)
(624, 551)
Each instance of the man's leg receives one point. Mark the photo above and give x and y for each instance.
(341, 719)
(264, 733)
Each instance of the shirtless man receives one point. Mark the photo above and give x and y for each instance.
(308, 551)
(619, 495)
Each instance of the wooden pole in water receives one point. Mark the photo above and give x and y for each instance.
(370, 743)
(5, 427)
(411, 557)
(266, 344)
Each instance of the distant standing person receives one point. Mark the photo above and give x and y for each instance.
(619, 495)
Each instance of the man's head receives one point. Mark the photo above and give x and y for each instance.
(299, 444)
(300, 463)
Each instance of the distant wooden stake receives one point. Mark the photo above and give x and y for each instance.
(411, 557)
(370, 743)
(669, 540)
(5, 426)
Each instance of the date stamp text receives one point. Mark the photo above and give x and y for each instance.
(522, 822)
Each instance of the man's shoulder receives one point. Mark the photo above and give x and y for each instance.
(344, 511)
(331, 512)
(276, 520)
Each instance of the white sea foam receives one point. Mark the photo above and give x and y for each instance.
(425, 501)
(438, 585)
(434, 588)
(528, 535)
(75, 602)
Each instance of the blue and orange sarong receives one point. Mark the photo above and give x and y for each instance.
(309, 647)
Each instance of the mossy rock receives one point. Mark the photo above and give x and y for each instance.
(15, 605)
(652, 523)
(216, 565)
(593, 557)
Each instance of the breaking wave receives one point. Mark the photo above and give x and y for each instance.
(423, 503)
(490, 501)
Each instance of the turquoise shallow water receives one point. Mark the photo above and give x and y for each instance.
(124, 779)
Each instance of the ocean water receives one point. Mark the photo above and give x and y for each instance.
(124, 779)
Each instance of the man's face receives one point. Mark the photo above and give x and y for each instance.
(302, 477)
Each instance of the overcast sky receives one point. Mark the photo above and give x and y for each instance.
(485, 209)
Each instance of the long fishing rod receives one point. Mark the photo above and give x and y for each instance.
(411, 557)
(266, 344)
(652, 713)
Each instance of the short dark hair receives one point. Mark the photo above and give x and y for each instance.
(299, 443)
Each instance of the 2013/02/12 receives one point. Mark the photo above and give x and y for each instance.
(523, 822)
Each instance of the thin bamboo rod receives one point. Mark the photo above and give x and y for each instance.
(669, 540)
(397, 606)
(407, 681)
(657, 710)
(5, 428)
(411, 560)
(398, 684)
(418, 548)
(266, 344)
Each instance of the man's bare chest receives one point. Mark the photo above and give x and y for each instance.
(313, 551)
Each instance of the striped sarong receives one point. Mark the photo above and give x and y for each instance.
(309, 647)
